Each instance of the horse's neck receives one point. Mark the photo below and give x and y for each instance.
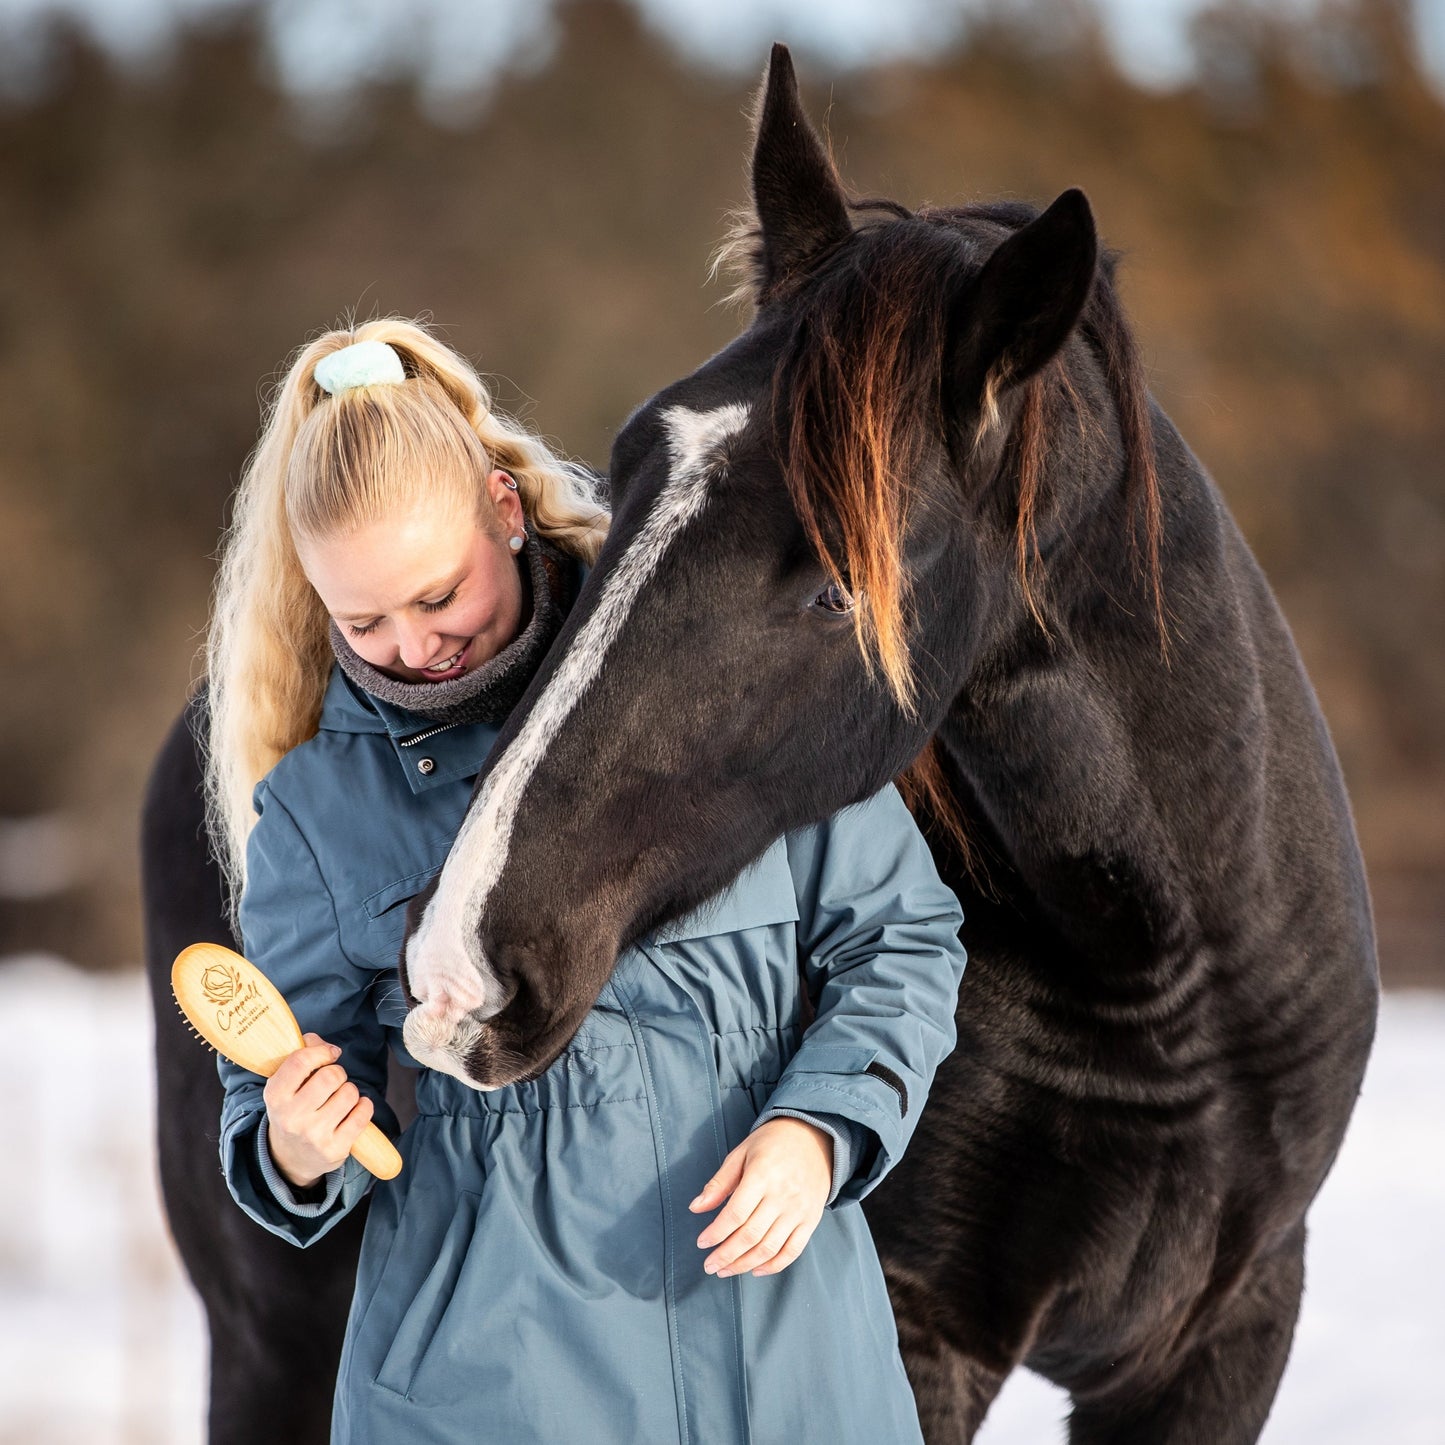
(1072, 753)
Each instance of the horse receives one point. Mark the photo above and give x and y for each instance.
(922, 520)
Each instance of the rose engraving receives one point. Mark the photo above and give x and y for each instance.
(220, 983)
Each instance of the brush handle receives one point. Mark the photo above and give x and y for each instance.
(374, 1151)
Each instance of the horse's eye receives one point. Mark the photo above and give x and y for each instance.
(834, 599)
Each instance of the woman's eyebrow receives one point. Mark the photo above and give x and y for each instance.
(445, 585)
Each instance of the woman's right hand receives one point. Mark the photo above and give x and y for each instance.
(313, 1112)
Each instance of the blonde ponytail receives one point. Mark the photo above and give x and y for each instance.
(324, 465)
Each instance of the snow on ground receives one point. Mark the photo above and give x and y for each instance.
(102, 1340)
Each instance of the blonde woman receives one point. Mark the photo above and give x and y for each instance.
(400, 561)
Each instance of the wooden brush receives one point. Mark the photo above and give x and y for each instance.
(236, 1009)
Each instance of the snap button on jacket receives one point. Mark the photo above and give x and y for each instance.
(532, 1275)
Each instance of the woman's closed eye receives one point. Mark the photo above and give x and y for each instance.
(438, 606)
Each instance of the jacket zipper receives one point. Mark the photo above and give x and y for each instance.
(429, 733)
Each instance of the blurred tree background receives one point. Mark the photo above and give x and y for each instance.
(169, 234)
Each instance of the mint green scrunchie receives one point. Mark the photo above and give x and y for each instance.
(363, 363)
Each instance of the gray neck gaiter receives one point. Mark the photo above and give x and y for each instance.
(487, 693)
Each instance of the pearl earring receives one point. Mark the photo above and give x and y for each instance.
(516, 543)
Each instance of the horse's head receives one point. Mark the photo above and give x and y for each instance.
(814, 544)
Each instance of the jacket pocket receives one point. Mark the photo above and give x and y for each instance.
(374, 905)
(384, 915)
(422, 1319)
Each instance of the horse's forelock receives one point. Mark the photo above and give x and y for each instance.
(854, 398)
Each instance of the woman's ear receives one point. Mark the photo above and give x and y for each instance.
(502, 488)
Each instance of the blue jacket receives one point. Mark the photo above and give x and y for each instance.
(532, 1274)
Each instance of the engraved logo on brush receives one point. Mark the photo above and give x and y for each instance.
(221, 983)
(222, 986)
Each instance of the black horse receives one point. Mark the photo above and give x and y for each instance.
(923, 519)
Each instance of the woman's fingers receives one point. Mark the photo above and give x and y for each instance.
(773, 1240)
(746, 1235)
(321, 1088)
(791, 1249)
(333, 1112)
(297, 1068)
(348, 1131)
(722, 1183)
(746, 1197)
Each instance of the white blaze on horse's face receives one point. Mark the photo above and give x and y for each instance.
(444, 961)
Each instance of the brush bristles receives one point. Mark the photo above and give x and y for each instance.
(194, 1030)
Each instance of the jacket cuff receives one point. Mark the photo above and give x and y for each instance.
(286, 1193)
(258, 1197)
(849, 1140)
(830, 1079)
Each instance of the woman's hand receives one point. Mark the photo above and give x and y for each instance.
(314, 1113)
(779, 1178)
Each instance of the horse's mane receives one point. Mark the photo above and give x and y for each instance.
(856, 393)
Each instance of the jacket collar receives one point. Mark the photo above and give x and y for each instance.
(429, 753)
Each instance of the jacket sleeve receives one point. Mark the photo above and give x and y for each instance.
(289, 925)
(878, 942)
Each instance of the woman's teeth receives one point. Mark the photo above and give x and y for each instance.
(450, 663)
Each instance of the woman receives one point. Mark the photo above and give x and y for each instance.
(400, 561)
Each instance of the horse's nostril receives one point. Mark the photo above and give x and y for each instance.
(450, 998)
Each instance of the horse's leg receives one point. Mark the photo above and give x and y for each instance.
(968, 1254)
(275, 1313)
(951, 1388)
(1221, 1390)
(953, 1391)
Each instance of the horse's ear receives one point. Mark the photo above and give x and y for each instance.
(800, 206)
(1013, 317)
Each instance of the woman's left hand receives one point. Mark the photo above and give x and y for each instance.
(779, 1178)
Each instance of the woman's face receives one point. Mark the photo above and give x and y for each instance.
(423, 594)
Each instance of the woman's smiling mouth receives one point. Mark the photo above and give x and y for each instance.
(454, 665)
